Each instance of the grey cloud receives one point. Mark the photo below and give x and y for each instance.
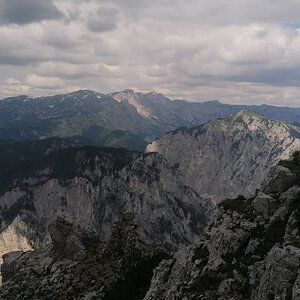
(105, 19)
(22, 12)
(238, 51)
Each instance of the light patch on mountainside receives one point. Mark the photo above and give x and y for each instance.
(132, 99)
(13, 239)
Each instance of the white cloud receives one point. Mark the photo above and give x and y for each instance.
(238, 51)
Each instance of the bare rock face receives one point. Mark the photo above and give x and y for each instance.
(8, 269)
(17, 236)
(120, 268)
(229, 157)
(275, 276)
(251, 250)
(93, 187)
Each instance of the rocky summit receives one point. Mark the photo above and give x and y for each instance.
(251, 249)
(228, 157)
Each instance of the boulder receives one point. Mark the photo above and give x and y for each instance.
(67, 239)
(279, 180)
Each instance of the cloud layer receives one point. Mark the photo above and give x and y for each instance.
(238, 51)
(27, 11)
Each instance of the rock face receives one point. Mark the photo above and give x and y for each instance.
(118, 269)
(251, 250)
(94, 187)
(226, 158)
(66, 239)
(123, 119)
(15, 237)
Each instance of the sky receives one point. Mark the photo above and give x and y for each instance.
(238, 51)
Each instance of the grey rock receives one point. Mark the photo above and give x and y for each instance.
(66, 239)
(281, 180)
(241, 256)
(120, 268)
(226, 158)
(94, 187)
(8, 267)
(275, 275)
(264, 204)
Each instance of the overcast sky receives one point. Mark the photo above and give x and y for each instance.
(237, 51)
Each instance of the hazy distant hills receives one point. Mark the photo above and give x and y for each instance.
(124, 119)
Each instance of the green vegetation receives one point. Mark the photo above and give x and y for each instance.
(245, 113)
(23, 160)
(240, 205)
(102, 137)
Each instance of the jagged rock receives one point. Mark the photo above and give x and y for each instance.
(8, 267)
(279, 180)
(66, 239)
(264, 204)
(275, 276)
(251, 251)
(118, 269)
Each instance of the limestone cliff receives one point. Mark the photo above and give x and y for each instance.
(228, 157)
(94, 186)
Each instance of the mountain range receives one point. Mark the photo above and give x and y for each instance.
(123, 119)
(131, 196)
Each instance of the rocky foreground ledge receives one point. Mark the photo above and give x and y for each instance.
(251, 251)
(77, 265)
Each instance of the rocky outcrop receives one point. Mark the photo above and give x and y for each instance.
(228, 157)
(15, 237)
(251, 250)
(66, 239)
(118, 269)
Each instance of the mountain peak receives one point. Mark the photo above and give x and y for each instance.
(246, 115)
(127, 92)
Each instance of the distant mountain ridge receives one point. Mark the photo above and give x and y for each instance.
(122, 119)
